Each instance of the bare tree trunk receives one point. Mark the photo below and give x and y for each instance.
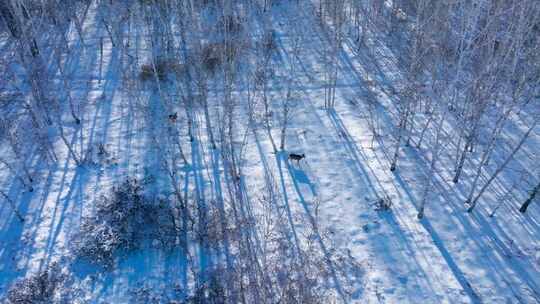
(27, 184)
(107, 28)
(431, 174)
(68, 92)
(530, 199)
(485, 156)
(401, 130)
(12, 205)
(474, 201)
(71, 151)
(462, 157)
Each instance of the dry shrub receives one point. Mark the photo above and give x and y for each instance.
(211, 292)
(215, 54)
(218, 223)
(170, 293)
(153, 2)
(269, 42)
(204, 3)
(125, 220)
(163, 69)
(231, 24)
(147, 72)
(41, 287)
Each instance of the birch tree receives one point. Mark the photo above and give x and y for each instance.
(473, 197)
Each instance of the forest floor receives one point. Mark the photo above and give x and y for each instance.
(449, 256)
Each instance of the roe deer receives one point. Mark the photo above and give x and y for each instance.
(173, 117)
(296, 157)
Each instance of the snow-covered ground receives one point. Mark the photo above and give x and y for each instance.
(330, 198)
